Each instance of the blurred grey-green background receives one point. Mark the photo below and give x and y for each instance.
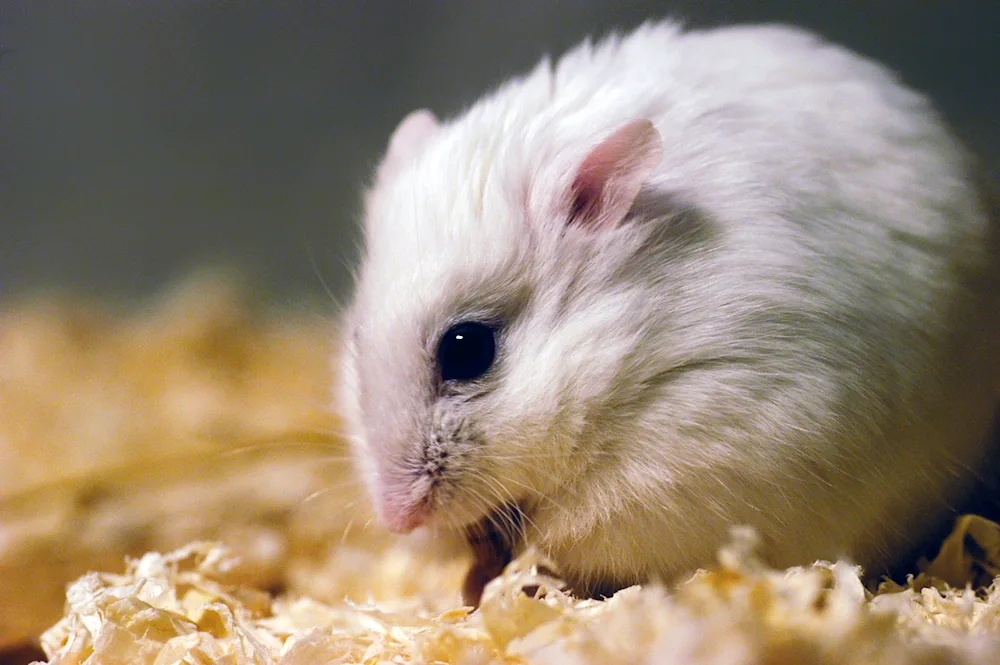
(139, 139)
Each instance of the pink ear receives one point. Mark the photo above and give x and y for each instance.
(611, 176)
(406, 141)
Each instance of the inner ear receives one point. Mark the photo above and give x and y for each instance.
(611, 175)
(406, 142)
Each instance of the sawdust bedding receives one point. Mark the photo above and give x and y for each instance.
(143, 434)
(177, 608)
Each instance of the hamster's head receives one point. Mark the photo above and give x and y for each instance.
(487, 327)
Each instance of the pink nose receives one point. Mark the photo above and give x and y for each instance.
(404, 517)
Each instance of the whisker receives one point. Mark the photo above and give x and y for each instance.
(347, 529)
(521, 456)
(299, 440)
(524, 516)
(315, 495)
(319, 275)
(507, 524)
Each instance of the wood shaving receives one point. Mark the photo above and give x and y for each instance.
(177, 608)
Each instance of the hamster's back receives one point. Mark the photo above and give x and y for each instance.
(849, 243)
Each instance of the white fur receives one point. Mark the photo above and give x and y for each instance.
(781, 336)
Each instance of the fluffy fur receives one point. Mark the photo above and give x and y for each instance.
(785, 330)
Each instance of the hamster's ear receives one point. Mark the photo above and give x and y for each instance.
(410, 135)
(612, 174)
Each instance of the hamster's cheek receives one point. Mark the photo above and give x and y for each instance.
(464, 506)
(525, 460)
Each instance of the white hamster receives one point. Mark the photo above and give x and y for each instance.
(677, 281)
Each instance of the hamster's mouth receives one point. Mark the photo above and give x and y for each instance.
(493, 540)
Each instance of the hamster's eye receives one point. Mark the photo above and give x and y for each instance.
(466, 351)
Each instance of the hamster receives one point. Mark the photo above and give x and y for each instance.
(674, 282)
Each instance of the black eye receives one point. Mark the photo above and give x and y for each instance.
(466, 351)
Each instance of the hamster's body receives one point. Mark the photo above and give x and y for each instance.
(775, 303)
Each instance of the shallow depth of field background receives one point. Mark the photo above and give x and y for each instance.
(141, 138)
